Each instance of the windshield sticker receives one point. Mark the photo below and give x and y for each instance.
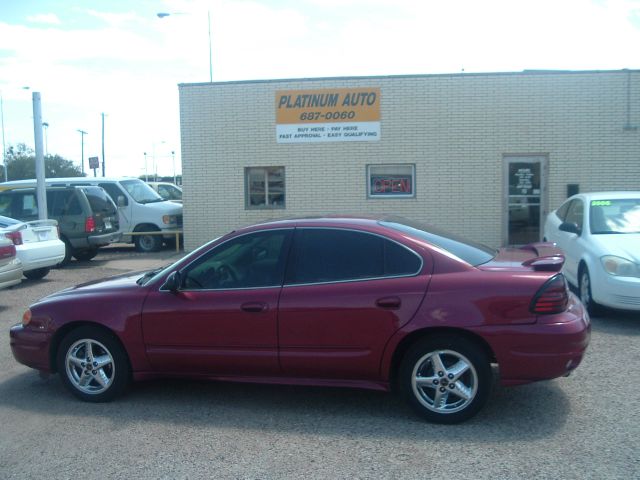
(601, 203)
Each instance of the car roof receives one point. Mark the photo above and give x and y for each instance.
(363, 221)
(612, 195)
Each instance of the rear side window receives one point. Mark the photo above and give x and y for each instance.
(5, 205)
(333, 255)
(99, 200)
(63, 202)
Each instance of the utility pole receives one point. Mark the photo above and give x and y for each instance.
(4, 148)
(103, 159)
(82, 134)
(41, 191)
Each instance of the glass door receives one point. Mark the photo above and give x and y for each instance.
(525, 189)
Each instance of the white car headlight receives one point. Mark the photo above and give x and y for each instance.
(619, 266)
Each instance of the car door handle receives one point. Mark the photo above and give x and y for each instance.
(389, 302)
(254, 307)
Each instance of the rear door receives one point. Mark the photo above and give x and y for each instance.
(346, 292)
(104, 210)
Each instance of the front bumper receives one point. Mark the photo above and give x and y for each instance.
(30, 347)
(550, 348)
(616, 292)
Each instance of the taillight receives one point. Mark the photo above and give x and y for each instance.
(552, 297)
(15, 237)
(7, 251)
(90, 225)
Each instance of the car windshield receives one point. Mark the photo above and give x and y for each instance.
(615, 216)
(471, 252)
(140, 191)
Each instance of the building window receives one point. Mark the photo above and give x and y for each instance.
(391, 181)
(264, 187)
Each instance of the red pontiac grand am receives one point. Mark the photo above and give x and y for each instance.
(336, 301)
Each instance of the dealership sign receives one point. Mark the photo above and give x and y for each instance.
(328, 115)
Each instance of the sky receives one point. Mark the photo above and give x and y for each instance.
(117, 57)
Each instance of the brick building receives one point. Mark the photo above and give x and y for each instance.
(482, 155)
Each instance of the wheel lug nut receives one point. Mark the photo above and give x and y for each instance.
(441, 374)
(93, 372)
(452, 386)
(442, 389)
(436, 382)
(82, 364)
(95, 364)
(450, 376)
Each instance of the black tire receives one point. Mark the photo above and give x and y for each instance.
(68, 252)
(37, 274)
(148, 243)
(85, 255)
(111, 371)
(471, 387)
(584, 289)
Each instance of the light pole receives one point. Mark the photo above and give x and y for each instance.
(173, 160)
(45, 125)
(166, 14)
(103, 160)
(146, 176)
(82, 134)
(4, 148)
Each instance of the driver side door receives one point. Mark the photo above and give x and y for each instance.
(223, 319)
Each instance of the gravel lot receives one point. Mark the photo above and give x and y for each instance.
(583, 426)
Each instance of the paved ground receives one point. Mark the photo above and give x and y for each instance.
(584, 426)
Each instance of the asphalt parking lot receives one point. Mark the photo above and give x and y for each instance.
(583, 426)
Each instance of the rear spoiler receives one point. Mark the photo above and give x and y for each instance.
(549, 257)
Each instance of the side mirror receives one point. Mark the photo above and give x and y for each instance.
(173, 282)
(122, 202)
(569, 227)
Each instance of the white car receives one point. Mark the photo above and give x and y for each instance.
(168, 191)
(600, 236)
(10, 264)
(37, 244)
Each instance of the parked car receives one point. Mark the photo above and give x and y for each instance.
(87, 217)
(351, 302)
(141, 209)
(37, 244)
(10, 264)
(168, 191)
(599, 234)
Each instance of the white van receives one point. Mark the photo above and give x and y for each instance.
(140, 208)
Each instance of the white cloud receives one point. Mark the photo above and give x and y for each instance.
(45, 18)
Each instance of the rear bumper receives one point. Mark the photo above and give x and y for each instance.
(104, 239)
(40, 255)
(30, 347)
(11, 274)
(550, 348)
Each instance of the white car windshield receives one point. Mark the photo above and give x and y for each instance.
(615, 216)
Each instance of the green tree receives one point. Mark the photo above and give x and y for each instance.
(21, 165)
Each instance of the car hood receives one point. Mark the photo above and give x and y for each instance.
(165, 207)
(623, 245)
(110, 285)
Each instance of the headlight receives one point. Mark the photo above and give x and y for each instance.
(620, 267)
(167, 219)
(26, 318)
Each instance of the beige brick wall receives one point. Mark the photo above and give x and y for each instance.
(456, 129)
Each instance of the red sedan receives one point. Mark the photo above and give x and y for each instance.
(354, 302)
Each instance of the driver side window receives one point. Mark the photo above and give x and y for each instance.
(576, 213)
(250, 261)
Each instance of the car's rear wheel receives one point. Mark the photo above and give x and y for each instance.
(85, 255)
(446, 379)
(68, 252)
(93, 365)
(37, 274)
(148, 243)
(585, 293)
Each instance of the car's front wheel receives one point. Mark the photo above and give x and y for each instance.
(586, 293)
(93, 364)
(446, 379)
(85, 255)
